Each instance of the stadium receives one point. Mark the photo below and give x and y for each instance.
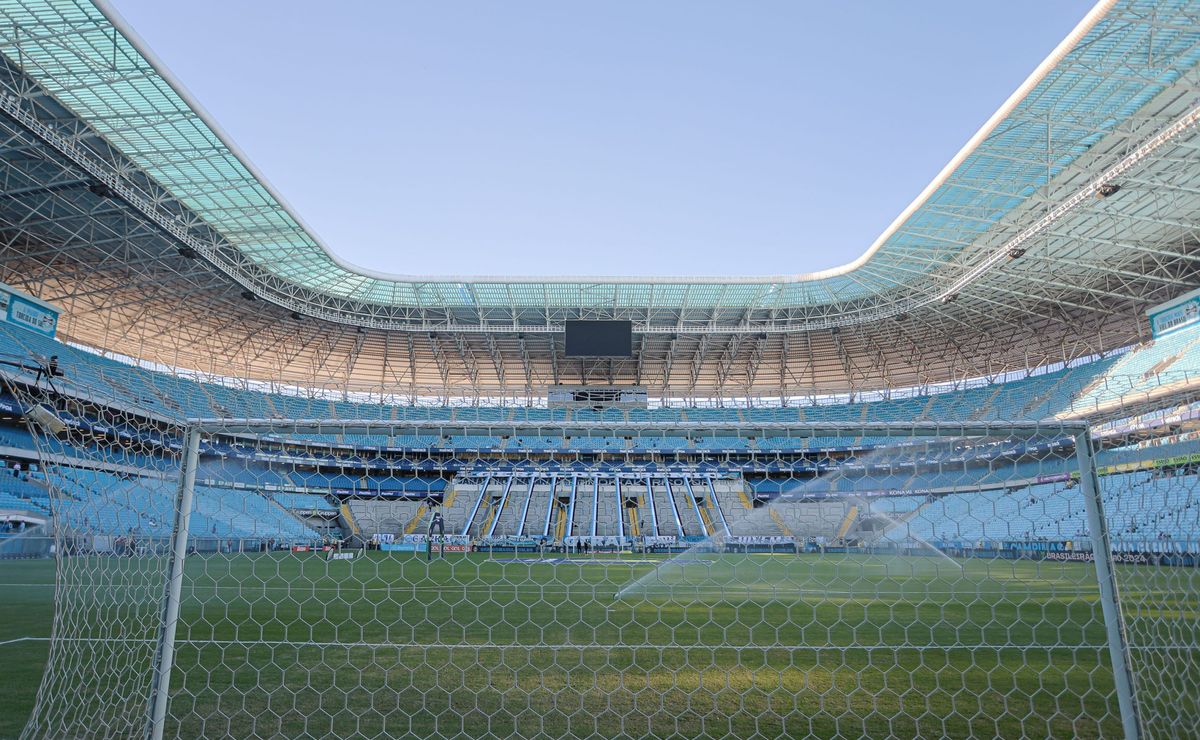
(950, 489)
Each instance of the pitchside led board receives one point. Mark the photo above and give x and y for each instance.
(599, 338)
(27, 312)
(1176, 314)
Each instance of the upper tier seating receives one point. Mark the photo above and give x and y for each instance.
(1145, 511)
(103, 503)
(1169, 363)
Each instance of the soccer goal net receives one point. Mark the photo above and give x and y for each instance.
(467, 573)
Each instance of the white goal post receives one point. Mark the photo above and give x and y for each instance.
(1080, 433)
(649, 584)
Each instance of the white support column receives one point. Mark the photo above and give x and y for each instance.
(650, 503)
(525, 508)
(1114, 623)
(687, 485)
(716, 505)
(620, 508)
(674, 507)
(570, 531)
(508, 484)
(550, 506)
(478, 502)
(595, 502)
(164, 657)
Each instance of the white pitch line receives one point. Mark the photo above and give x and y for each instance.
(579, 646)
(776, 592)
(593, 646)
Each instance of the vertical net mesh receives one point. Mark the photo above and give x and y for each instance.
(111, 503)
(472, 572)
(1153, 515)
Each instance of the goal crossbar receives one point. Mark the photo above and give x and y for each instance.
(795, 429)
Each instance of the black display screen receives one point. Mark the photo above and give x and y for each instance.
(599, 339)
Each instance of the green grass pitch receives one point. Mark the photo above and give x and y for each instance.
(285, 644)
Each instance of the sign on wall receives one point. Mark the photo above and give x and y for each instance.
(1174, 315)
(27, 312)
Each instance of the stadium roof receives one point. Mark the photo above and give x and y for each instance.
(1114, 105)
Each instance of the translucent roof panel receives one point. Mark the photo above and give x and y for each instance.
(82, 56)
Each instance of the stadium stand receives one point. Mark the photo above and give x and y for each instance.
(918, 443)
(1068, 392)
(107, 504)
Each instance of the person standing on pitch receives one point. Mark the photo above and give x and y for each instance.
(436, 521)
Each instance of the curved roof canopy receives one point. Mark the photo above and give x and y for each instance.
(1074, 208)
(1090, 86)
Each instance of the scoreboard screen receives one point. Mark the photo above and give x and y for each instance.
(599, 339)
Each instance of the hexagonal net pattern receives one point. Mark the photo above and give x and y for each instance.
(290, 578)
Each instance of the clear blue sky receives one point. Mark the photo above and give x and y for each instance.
(600, 138)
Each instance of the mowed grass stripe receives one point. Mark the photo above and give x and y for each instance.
(290, 644)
